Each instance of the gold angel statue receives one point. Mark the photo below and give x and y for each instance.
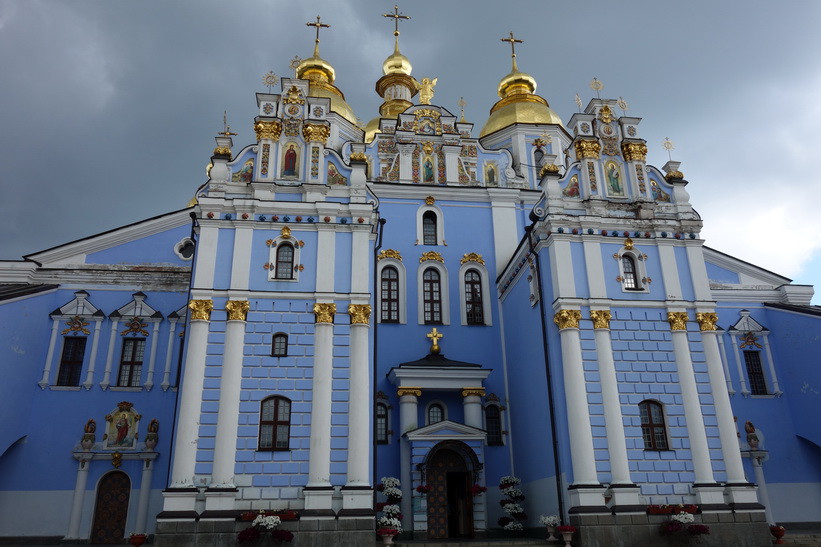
(426, 90)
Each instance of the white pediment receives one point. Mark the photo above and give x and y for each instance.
(138, 308)
(444, 430)
(80, 306)
(747, 324)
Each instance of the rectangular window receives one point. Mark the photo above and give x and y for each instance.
(131, 364)
(758, 386)
(275, 424)
(71, 362)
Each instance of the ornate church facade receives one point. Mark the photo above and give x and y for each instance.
(417, 300)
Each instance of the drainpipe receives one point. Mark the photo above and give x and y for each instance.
(380, 232)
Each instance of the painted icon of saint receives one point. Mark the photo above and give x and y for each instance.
(289, 165)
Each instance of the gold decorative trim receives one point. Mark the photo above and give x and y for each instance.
(600, 318)
(430, 200)
(222, 151)
(677, 320)
(567, 319)
(316, 133)
(707, 320)
(285, 232)
(201, 310)
(389, 253)
(76, 324)
(472, 257)
(628, 244)
(634, 151)
(268, 130)
(549, 169)
(293, 96)
(135, 326)
(674, 175)
(359, 156)
(587, 149)
(477, 391)
(237, 309)
(401, 391)
(435, 336)
(360, 313)
(605, 114)
(427, 147)
(431, 255)
(325, 312)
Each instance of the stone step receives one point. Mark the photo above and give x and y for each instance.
(484, 542)
(803, 540)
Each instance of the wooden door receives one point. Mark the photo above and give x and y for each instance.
(450, 505)
(111, 508)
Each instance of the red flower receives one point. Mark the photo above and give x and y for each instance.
(248, 535)
(282, 535)
(424, 488)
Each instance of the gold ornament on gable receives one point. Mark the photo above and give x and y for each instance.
(605, 114)
(472, 257)
(312, 132)
(293, 96)
(135, 325)
(587, 149)
(389, 253)
(285, 232)
(430, 200)
(431, 255)
(76, 324)
(267, 130)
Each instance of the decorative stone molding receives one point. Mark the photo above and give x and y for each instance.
(268, 130)
(587, 149)
(389, 253)
(468, 391)
(431, 255)
(707, 320)
(316, 133)
(325, 312)
(201, 310)
(677, 320)
(634, 151)
(567, 319)
(360, 313)
(600, 318)
(472, 257)
(401, 391)
(237, 309)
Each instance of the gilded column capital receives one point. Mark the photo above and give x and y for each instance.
(677, 320)
(237, 309)
(201, 309)
(477, 391)
(313, 132)
(360, 313)
(587, 149)
(634, 151)
(707, 320)
(324, 312)
(600, 318)
(401, 391)
(267, 130)
(567, 319)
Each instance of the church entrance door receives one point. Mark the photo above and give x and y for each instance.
(450, 504)
(111, 508)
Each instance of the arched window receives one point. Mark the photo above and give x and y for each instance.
(381, 423)
(285, 261)
(474, 309)
(631, 280)
(493, 425)
(275, 424)
(279, 345)
(435, 414)
(432, 297)
(429, 228)
(652, 425)
(389, 300)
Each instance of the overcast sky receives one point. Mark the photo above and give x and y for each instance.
(109, 108)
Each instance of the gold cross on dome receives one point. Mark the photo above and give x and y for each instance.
(513, 41)
(226, 129)
(396, 16)
(435, 336)
(318, 26)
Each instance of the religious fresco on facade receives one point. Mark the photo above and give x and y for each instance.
(334, 176)
(613, 175)
(290, 160)
(658, 193)
(121, 428)
(491, 173)
(246, 173)
(572, 188)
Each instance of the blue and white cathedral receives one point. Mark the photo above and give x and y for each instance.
(413, 299)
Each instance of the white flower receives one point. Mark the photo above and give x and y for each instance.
(390, 482)
(549, 520)
(683, 518)
(391, 510)
(387, 522)
(515, 526)
(512, 492)
(513, 508)
(392, 492)
(510, 480)
(266, 521)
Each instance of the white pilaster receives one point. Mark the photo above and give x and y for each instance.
(109, 358)
(561, 268)
(669, 269)
(724, 363)
(503, 216)
(325, 254)
(771, 366)
(92, 359)
(145, 495)
(152, 361)
(43, 383)
(169, 352)
(241, 263)
(759, 457)
(77, 500)
(359, 413)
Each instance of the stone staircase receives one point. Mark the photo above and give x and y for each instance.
(805, 539)
(485, 542)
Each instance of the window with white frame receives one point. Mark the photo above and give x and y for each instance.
(436, 413)
(632, 269)
(279, 345)
(275, 424)
(71, 361)
(474, 295)
(131, 363)
(493, 425)
(285, 261)
(433, 294)
(755, 373)
(392, 294)
(430, 228)
(653, 429)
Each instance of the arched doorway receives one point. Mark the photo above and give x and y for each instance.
(450, 472)
(111, 508)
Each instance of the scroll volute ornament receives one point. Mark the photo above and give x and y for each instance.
(324, 312)
(402, 391)
(677, 320)
(237, 309)
(473, 391)
(201, 309)
(707, 320)
(360, 313)
(316, 132)
(268, 130)
(600, 318)
(587, 149)
(567, 319)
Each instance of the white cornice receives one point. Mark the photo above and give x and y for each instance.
(453, 193)
(744, 268)
(439, 378)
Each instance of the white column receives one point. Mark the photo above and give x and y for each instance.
(92, 359)
(77, 500)
(318, 492)
(578, 414)
(187, 434)
(771, 363)
(725, 364)
(169, 352)
(759, 457)
(155, 340)
(43, 383)
(407, 422)
(359, 413)
(742, 376)
(689, 394)
(222, 474)
(614, 425)
(472, 405)
(110, 355)
(145, 495)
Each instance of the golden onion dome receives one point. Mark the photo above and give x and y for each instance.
(372, 129)
(396, 63)
(518, 104)
(320, 75)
